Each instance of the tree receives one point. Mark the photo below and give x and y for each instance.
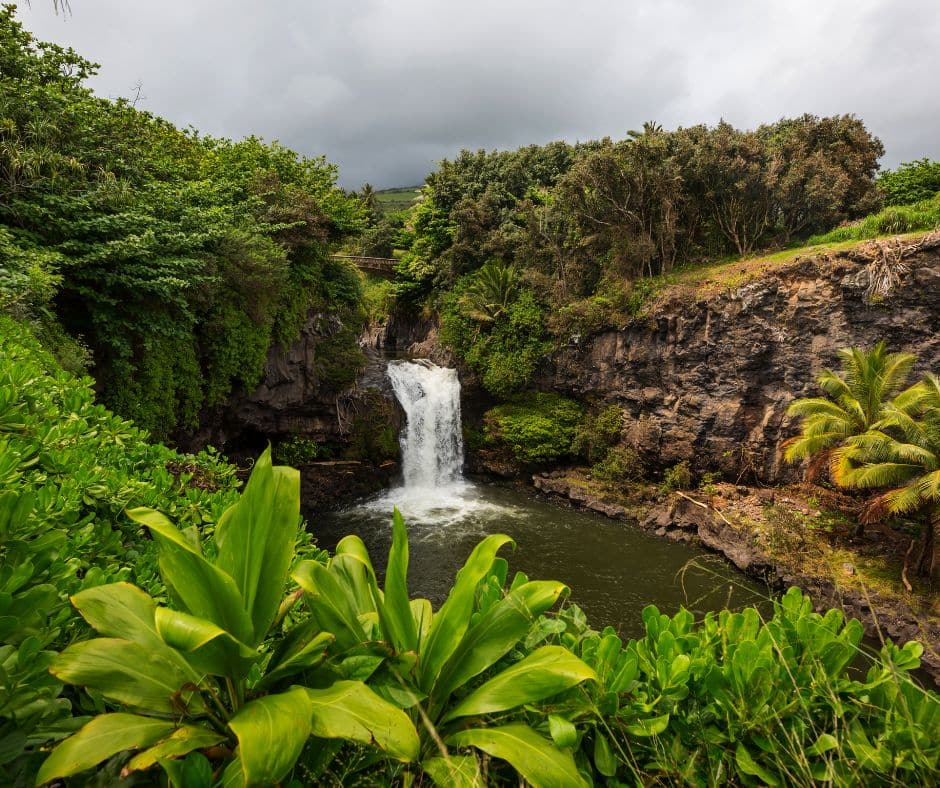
(855, 400)
(824, 172)
(901, 451)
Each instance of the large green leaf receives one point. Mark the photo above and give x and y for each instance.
(450, 623)
(303, 648)
(101, 738)
(535, 758)
(350, 710)
(454, 771)
(352, 564)
(497, 631)
(181, 742)
(255, 539)
(328, 602)
(126, 672)
(120, 610)
(271, 733)
(199, 586)
(208, 648)
(545, 672)
(397, 617)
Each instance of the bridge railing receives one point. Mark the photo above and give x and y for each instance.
(381, 265)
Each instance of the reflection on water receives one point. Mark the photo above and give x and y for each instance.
(614, 570)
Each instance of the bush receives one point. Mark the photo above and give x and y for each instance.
(69, 469)
(505, 350)
(912, 182)
(621, 464)
(537, 428)
(598, 433)
(742, 700)
(297, 450)
(678, 477)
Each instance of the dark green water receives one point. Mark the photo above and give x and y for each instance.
(614, 570)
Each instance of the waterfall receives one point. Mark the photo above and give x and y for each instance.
(433, 495)
(432, 441)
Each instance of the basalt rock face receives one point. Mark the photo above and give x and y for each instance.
(708, 379)
(289, 400)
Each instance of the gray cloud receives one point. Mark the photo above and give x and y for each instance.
(385, 88)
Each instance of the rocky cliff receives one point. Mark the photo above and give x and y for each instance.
(708, 374)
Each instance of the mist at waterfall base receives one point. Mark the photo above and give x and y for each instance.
(614, 570)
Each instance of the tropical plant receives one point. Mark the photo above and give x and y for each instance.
(902, 452)
(203, 674)
(855, 400)
(446, 667)
(736, 698)
(492, 291)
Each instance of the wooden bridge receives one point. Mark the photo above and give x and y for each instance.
(378, 266)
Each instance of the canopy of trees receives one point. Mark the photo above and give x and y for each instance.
(573, 214)
(176, 258)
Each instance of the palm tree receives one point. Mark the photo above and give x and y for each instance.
(492, 292)
(900, 451)
(855, 401)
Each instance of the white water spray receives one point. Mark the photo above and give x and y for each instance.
(433, 492)
(432, 443)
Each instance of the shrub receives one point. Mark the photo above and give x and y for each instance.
(621, 464)
(924, 215)
(297, 450)
(598, 433)
(912, 182)
(737, 699)
(68, 470)
(678, 477)
(537, 428)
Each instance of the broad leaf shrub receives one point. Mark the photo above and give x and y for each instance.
(740, 700)
(68, 470)
(216, 670)
(456, 670)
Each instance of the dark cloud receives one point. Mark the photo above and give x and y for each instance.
(387, 88)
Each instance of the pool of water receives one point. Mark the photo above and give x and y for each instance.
(613, 569)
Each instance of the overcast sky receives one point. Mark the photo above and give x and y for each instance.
(386, 88)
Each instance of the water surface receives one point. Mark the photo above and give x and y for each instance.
(613, 569)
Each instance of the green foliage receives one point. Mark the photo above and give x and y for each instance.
(579, 220)
(598, 433)
(737, 699)
(894, 220)
(871, 434)
(912, 182)
(536, 428)
(193, 661)
(677, 477)
(297, 450)
(177, 259)
(379, 298)
(620, 464)
(504, 349)
(445, 666)
(68, 470)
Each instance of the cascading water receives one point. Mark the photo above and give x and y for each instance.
(434, 492)
(432, 443)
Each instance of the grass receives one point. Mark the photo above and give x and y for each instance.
(398, 199)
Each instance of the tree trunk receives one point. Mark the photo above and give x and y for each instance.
(927, 558)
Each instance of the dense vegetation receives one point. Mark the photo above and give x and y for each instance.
(175, 259)
(517, 249)
(252, 678)
(157, 627)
